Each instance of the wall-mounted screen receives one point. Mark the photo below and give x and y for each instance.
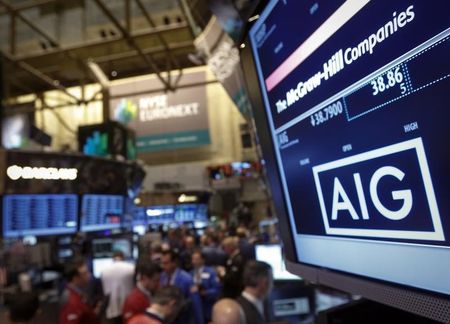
(191, 212)
(39, 215)
(355, 100)
(160, 214)
(101, 212)
(272, 254)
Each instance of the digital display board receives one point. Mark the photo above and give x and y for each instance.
(39, 215)
(355, 95)
(101, 212)
(160, 214)
(191, 212)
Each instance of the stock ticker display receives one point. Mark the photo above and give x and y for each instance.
(101, 212)
(39, 215)
(356, 96)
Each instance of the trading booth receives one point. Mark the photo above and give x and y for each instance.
(67, 204)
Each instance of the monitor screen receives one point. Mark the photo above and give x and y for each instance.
(98, 265)
(355, 106)
(191, 212)
(15, 131)
(39, 215)
(104, 247)
(160, 214)
(101, 212)
(273, 255)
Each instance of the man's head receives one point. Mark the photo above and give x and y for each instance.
(227, 311)
(197, 259)
(77, 273)
(168, 301)
(148, 275)
(258, 278)
(189, 243)
(169, 261)
(230, 244)
(241, 232)
(22, 307)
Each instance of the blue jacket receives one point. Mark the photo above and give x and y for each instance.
(183, 280)
(210, 287)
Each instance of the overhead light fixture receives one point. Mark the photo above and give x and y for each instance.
(114, 73)
(187, 198)
(242, 45)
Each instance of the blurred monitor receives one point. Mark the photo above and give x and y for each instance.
(98, 265)
(139, 229)
(15, 131)
(30, 240)
(104, 247)
(39, 215)
(272, 254)
(101, 212)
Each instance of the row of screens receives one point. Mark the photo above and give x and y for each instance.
(56, 214)
(171, 213)
(354, 131)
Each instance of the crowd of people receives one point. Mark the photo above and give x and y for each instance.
(180, 279)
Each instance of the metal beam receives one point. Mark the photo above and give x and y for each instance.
(151, 51)
(41, 76)
(160, 37)
(131, 42)
(29, 5)
(95, 43)
(39, 31)
(128, 15)
(12, 34)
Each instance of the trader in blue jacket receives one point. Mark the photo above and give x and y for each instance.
(206, 283)
(173, 275)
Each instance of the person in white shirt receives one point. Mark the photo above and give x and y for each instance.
(258, 283)
(118, 282)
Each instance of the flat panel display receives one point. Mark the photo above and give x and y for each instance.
(356, 98)
(273, 255)
(101, 212)
(191, 212)
(38, 215)
(160, 214)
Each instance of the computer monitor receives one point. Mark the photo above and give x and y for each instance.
(39, 215)
(351, 107)
(191, 212)
(160, 214)
(105, 247)
(98, 265)
(101, 212)
(272, 254)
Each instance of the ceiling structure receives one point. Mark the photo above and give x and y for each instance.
(49, 44)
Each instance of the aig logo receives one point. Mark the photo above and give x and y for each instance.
(384, 193)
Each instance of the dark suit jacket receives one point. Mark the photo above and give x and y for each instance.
(251, 313)
(232, 281)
